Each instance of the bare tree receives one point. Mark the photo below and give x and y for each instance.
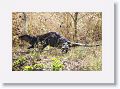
(75, 24)
(25, 22)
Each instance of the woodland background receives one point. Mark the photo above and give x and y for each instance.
(83, 27)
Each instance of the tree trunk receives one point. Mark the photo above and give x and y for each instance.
(75, 25)
(25, 23)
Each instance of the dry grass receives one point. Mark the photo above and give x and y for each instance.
(77, 59)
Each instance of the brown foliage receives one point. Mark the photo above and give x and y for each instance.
(76, 26)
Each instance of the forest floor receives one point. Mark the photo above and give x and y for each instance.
(51, 59)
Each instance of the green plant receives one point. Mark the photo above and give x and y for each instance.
(38, 67)
(34, 54)
(28, 68)
(57, 64)
(19, 62)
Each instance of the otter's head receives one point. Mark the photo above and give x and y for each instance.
(25, 38)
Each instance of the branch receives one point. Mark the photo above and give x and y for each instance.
(82, 17)
(72, 16)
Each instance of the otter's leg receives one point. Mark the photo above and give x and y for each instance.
(41, 50)
(32, 46)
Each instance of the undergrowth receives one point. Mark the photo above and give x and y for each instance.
(77, 59)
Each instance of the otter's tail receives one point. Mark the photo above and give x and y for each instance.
(85, 45)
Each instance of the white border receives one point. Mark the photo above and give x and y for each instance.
(104, 76)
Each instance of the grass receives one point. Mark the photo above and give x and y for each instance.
(51, 59)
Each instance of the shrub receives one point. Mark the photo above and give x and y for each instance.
(18, 64)
(57, 64)
(38, 67)
(27, 68)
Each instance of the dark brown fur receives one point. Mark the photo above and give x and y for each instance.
(52, 38)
